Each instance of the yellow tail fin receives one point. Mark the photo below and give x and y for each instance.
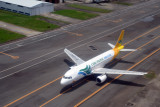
(120, 39)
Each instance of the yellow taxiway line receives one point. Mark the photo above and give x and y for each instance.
(62, 93)
(61, 76)
(142, 35)
(13, 57)
(32, 92)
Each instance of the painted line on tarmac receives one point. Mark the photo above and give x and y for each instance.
(32, 92)
(13, 57)
(63, 92)
(116, 21)
(61, 77)
(91, 95)
(73, 44)
(118, 13)
(67, 46)
(111, 64)
(141, 35)
(72, 33)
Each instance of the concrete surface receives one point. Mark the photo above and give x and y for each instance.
(62, 18)
(148, 96)
(42, 60)
(18, 29)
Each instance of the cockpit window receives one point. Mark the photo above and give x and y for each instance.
(67, 77)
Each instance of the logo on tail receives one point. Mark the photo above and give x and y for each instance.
(120, 39)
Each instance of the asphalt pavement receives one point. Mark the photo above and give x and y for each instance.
(33, 79)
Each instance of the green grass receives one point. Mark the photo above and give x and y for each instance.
(6, 36)
(89, 8)
(123, 3)
(31, 22)
(76, 14)
(150, 75)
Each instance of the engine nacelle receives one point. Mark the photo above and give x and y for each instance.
(101, 78)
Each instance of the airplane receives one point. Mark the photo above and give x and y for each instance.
(95, 65)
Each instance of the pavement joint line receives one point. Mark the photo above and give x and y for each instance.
(86, 79)
(54, 81)
(95, 92)
(135, 6)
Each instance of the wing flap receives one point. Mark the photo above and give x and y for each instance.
(114, 71)
(74, 57)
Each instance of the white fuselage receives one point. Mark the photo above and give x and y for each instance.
(86, 68)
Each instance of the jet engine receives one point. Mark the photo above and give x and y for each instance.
(101, 78)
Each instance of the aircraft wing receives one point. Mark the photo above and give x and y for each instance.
(114, 71)
(74, 57)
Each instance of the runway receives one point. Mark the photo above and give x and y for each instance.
(33, 79)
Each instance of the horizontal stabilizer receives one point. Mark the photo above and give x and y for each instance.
(114, 71)
(128, 50)
(111, 45)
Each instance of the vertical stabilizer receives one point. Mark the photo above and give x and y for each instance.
(119, 42)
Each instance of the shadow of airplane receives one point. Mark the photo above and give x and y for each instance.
(75, 85)
(85, 80)
(68, 62)
(115, 62)
(122, 82)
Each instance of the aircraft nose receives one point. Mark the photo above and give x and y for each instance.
(65, 82)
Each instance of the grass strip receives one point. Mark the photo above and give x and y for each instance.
(31, 22)
(76, 14)
(89, 8)
(150, 75)
(6, 36)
